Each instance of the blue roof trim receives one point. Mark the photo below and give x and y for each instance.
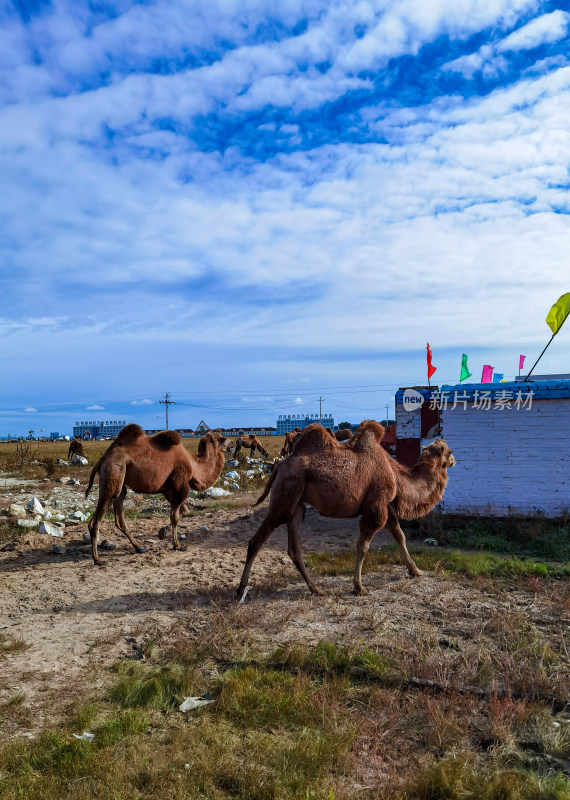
(542, 390)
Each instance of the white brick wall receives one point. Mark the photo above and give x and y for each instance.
(509, 461)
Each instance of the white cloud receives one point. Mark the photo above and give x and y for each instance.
(31, 410)
(145, 402)
(299, 400)
(95, 407)
(543, 30)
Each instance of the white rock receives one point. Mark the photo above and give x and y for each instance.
(27, 523)
(78, 516)
(16, 510)
(74, 482)
(215, 491)
(233, 475)
(35, 507)
(79, 461)
(233, 463)
(52, 530)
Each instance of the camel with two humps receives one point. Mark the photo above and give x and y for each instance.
(356, 478)
(252, 442)
(150, 465)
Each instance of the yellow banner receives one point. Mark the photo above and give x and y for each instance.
(558, 313)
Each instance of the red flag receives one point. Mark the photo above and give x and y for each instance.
(430, 368)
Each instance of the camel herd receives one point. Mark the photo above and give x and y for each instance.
(340, 479)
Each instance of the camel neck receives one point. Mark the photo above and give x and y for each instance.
(207, 468)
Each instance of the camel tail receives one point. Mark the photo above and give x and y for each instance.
(267, 489)
(94, 472)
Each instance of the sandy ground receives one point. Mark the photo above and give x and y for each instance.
(77, 619)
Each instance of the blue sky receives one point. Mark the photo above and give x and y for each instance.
(251, 204)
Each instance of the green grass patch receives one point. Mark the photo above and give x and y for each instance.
(465, 777)
(332, 659)
(535, 537)
(440, 559)
(152, 686)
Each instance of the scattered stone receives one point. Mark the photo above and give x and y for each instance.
(61, 461)
(16, 510)
(74, 482)
(151, 541)
(235, 486)
(78, 516)
(432, 542)
(233, 463)
(233, 475)
(27, 523)
(86, 537)
(59, 549)
(79, 461)
(51, 530)
(204, 528)
(35, 507)
(108, 545)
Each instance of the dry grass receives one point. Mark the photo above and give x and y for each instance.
(311, 725)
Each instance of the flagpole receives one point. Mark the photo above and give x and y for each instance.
(540, 356)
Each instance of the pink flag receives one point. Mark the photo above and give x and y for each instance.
(487, 376)
(521, 361)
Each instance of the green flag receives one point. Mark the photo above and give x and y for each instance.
(558, 313)
(464, 369)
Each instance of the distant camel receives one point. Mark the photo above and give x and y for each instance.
(252, 442)
(341, 435)
(75, 448)
(289, 439)
(150, 464)
(355, 479)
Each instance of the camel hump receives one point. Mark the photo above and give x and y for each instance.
(129, 434)
(368, 432)
(314, 439)
(165, 440)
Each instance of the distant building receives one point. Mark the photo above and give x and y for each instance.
(266, 431)
(288, 422)
(97, 429)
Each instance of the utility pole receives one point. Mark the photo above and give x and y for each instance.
(167, 402)
(387, 423)
(320, 410)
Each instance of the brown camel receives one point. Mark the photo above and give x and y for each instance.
(252, 442)
(341, 435)
(149, 464)
(75, 447)
(289, 439)
(354, 479)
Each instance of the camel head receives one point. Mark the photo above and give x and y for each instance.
(438, 454)
(214, 438)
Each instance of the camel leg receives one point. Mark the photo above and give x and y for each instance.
(294, 546)
(111, 481)
(368, 526)
(254, 546)
(177, 497)
(393, 525)
(120, 520)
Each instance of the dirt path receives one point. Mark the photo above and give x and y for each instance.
(76, 619)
